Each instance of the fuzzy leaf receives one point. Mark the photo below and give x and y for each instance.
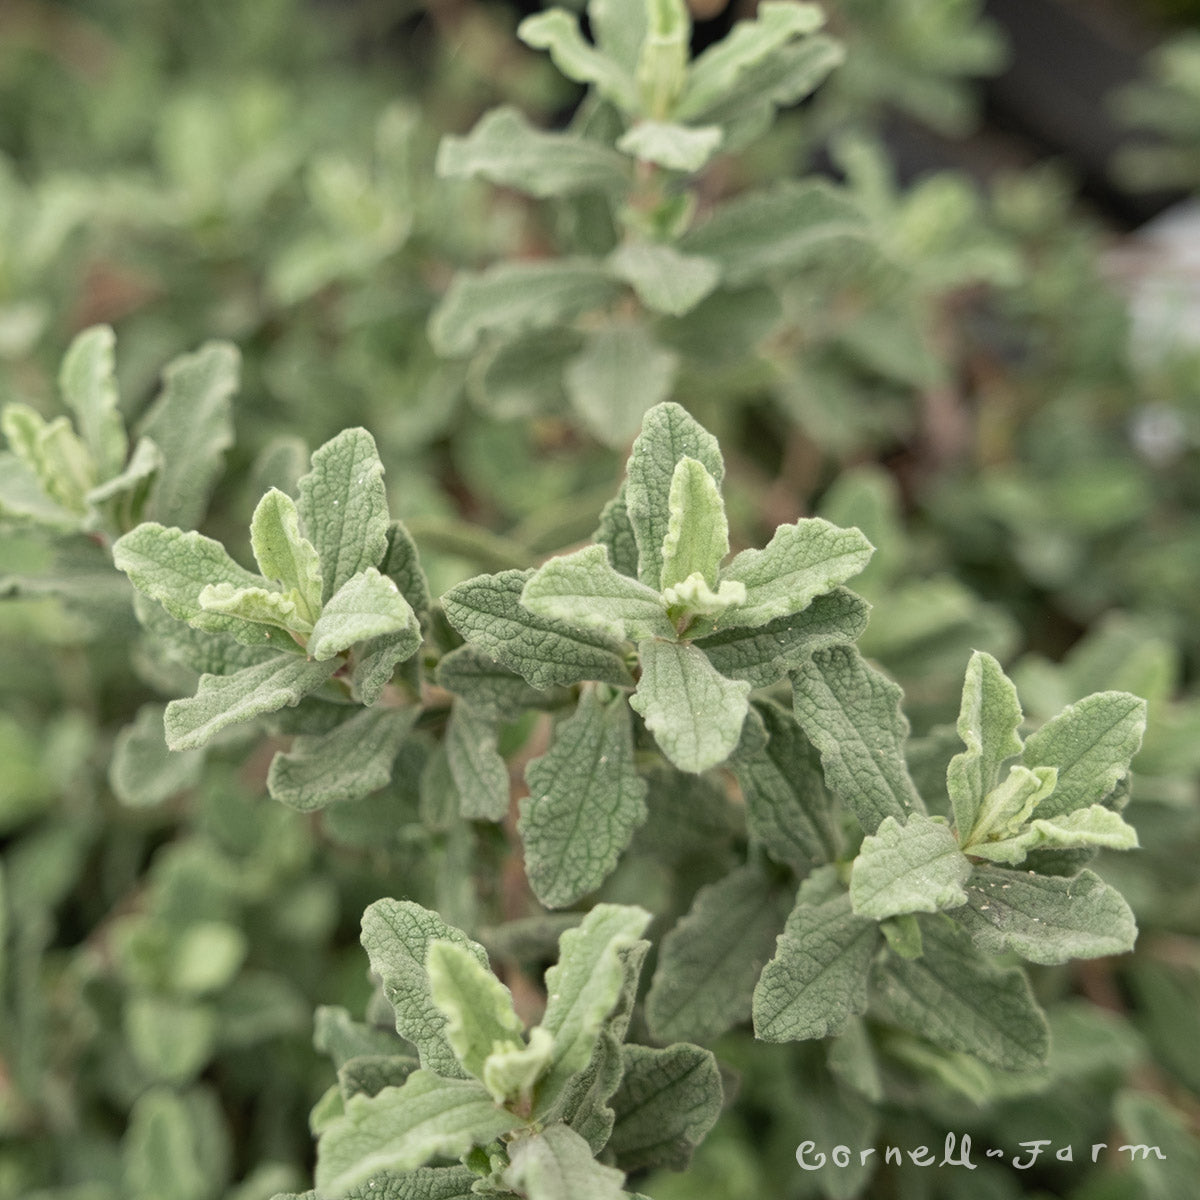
(697, 530)
(174, 567)
(817, 980)
(620, 372)
(582, 590)
(669, 433)
(710, 961)
(1009, 805)
(478, 1008)
(53, 453)
(487, 611)
(851, 713)
(585, 801)
(787, 808)
(1091, 745)
(504, 148)
(695, 713)
(772, 232)
(396, 935)
(402, 1128)
(800, 562)
(717, 71)
(616, 533)
(512, 297)
(1091, 826)
(191, 422)
(343, 508)
(909, 868)
(619, 27)
(557, 1163)
(1046, 918)
(258, 605)
(762, 655)
(366, 606)
(490, 689)
(89, 388)
(987, 723)
(283, 553)
(665, 280)
(224, 700)
(480, 774)
(132, 485)
(352, 760)
(585, 985)
(558, 32)
(675, 147)
(959, 1000)
(668, 1100)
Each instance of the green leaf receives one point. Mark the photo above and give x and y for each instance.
(164, 1147)
(1046, 918)
(582, 590)
(1091, 826)
(585, 801)
(132, 486)
(675, 147)
(487, 611)
(504, 148)
(800, 562)
(172, 643)
(717, 71)
(89, 388)
(557, 1163)
(669, 433)
(402, 1128)
(352, 760)
(1009, 805)
(224, 700)
(174, 567)
(773, 232)
(851, 713)
(1091, 745)
(171, 1039)
(343, 507)
(283, 553)
(512, 297)
(480, 774)
(665, 280)
(695, 713)
(787, 808)
(490, 689)
(909, 868)
(697, 530)
(668, 1100)
(23, 496)
(478, 1008)
(143, 772)
(620, 373)
(616, 533)
(397, 935)
(619, 27)
(959, 1000)
(257, 605)
(402, 565)
(511, 1072)
(988, 721)
(585, 986)
(191, 423)
(558, 32)
(366, 606)
(710, 961)
(817, 980)
(763, 654)
(53, 454)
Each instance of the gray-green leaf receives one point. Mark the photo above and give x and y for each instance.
(909, 868)
(557, 1163)
(480, 774)
(284, 554)
(1046, 918)
(89, 388)
(352, 760)
(487, 611)
(711, 960)
(367, 605)
(851, 713)
(224, 700)
(343, 507)
(558, 32)
(694, 712)
(585, 801)
(817, 980)
(665, 280)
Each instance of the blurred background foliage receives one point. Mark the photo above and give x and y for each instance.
(1002, 391)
